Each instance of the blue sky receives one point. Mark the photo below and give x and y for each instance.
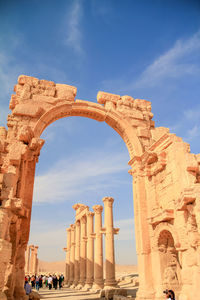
(146, 49)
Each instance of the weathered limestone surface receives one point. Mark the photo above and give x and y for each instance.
(166, 185)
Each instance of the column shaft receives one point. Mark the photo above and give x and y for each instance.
(67, 269)
(83, 252)
(72, 254)
(90, 252)
(27, 260)
(31, 270)
(109, 242)
(77, 254)
(98, 254)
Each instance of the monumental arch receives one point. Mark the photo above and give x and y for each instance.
(166, 185)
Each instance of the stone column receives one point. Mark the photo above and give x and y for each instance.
(109, 242)
(98, 254)
(77, 254)
(72, 255)
(143, 246)
(67, 269)
(31, 269)
(90, 252)
(27, 260)
(82, 252)
(35, 260)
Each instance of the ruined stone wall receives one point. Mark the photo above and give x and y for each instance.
(165, 185)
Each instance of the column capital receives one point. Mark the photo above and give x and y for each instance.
(97, 208)
(72, 227)
(68, 229)
(108, 200)
(90, 214)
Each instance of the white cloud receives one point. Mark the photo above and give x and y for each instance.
(193, 133)
(43, 233)
(74, 35)
(173, 63)
(74, 176)
(193, 114)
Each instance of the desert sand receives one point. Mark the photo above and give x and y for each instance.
(59, 267)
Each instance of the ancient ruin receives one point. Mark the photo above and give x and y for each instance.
(31, 260)
(84, 266)
(166, 186)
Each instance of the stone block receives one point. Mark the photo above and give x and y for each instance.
(43, 99)
(30, 110)
(67, 92)
(22, 79)
(121, 292)
(143, 132)
(45, 83)
(45, 91)
(103, 97)
(34, 296)
(109, 293)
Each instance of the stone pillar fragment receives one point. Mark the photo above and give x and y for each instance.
(72, 255)
(98, 255)
(90, 252)
(67, 266)
(27, 260)
(77, 254)
(109, 242)
(31, 260)
(35, 260)
(82, 252)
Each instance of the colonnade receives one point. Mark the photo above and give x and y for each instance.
(84, 252)
(31, 260)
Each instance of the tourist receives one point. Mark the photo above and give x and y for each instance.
(27, 288)
(55, 282)
(50, 282)
(170, 295)
(40, 281)
(33, 281)
(37, 283)
(60, 281)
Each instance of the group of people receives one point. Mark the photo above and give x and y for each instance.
(39, 281)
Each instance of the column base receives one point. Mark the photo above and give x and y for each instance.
(97, 286)
(87, 287)
(79, 286)
(72, 286)
(110, 284)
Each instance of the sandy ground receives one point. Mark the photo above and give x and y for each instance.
(71, 294)
(59, 268)
(66, 294)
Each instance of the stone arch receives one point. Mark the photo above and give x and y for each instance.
(165, 227)
(165, 179)
(93, 111)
